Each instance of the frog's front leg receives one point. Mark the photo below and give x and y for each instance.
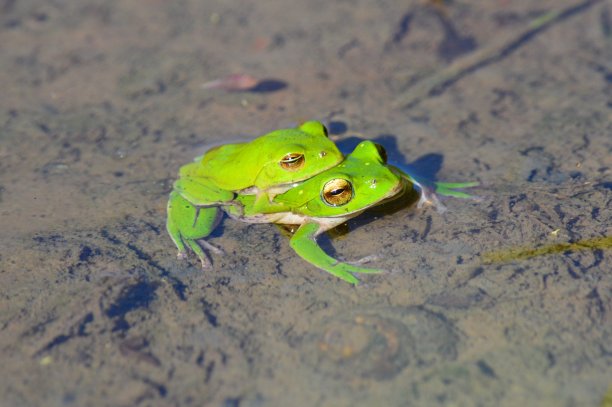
(264, 203)
(305, 245)
(186, 224)
(201, 193)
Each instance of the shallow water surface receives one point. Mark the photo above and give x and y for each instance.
(102, 102)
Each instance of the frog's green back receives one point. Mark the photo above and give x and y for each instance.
(280, 157)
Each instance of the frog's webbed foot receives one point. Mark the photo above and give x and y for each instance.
(364, 260)
(429, 194)
(429, 197)
(344, 271)
(454, 189)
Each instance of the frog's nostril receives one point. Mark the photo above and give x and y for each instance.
(322, 154)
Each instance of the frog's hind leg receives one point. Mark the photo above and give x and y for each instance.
(305, 245)
(188, 224)
(175, 235)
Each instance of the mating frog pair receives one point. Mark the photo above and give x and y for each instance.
(289, 176)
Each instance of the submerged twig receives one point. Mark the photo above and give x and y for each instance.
(500, 48)
(521, 253)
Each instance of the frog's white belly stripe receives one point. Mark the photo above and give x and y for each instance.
(289, 218)
(286, 218)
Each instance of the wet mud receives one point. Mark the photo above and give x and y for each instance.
(505, 300)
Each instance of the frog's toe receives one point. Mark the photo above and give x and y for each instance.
(211, 247)
(181, 255)
(206, 264)
(429, 197)
(344, 271)
(346, 276)
(193, 245)
(364, 260)
(453, 189)
(365, 270)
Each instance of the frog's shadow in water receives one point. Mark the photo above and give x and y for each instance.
(425, 167)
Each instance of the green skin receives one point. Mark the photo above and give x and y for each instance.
(254, 168)
(372, 182)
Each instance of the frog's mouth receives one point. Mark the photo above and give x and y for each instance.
(395, 192)
(390, 196)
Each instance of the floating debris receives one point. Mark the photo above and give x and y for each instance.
(599, 243)
(234, 82)
(46, 361)
(245, 83)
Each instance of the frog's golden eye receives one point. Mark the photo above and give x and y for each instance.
(292, 161)
(382, 152)
(337, 192)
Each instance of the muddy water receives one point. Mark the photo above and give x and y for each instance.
(102, 102)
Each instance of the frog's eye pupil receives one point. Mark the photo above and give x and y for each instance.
(337, 192)
(292, 161)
